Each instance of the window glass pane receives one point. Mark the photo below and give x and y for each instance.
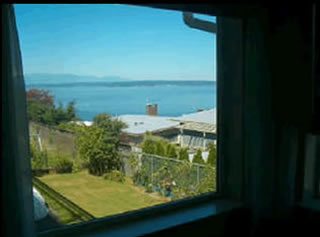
(121, 102)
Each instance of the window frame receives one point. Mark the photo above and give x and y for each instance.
(311, 195)
(226, 198)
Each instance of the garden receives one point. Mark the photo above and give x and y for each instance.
(84, 164)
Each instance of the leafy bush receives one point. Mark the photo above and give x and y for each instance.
(198, 157)
(171, 151)
(41, 108)
(212, 157)
(115, 175)
(98, 144)
(77, 166)
(183, 154)
(175, 179)
(64, 166)
(158, 146)
(208, 181)
(39, 158)
(68, 127)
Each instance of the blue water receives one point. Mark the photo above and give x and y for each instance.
(174, 98)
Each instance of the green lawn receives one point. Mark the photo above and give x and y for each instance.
(101, 197)
(65, 217)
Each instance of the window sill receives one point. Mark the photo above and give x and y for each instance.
(149, 220)
(313, 204)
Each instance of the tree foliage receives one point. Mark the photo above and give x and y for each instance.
(175, 179)
(41, 108)
(171, 151)
(183, 154)
(212, 157)
(98, 144)
(39, 95)
(105, 122)
(198, 157)
(157, 146)
(39, 158)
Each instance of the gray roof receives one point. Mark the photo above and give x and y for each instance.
(201, 121)
(201, 127)
(139, 124)
(206, 116)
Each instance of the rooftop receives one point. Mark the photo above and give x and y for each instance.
(204, 121)
(139, 124)
(206, 116)
(201, 127)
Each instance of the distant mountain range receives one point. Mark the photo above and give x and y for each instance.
(39, 78)
(70, 80)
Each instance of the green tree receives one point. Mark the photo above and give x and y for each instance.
(98, 150)
(60, 115)
(35, 111)
(171, 151)
(105, 122)
(39, 95)
(159, 148)
(212, 157)
(110, 126)
(198, 157)
(183, 154)
(71, 111)
(97, 144)
(207, 181)
(148, 146)
(39, 159)
(40, 108)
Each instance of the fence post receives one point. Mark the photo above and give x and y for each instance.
(152, 171)
(198, 174)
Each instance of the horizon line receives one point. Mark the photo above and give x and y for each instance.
(120, 77)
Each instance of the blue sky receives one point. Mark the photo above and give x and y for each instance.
(114, 40)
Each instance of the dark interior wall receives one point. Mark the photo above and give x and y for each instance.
(289, 53)
(265, 78)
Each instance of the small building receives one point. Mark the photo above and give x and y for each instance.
(194, 130)
(138, 125)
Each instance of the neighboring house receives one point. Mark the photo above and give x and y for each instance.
(194, 130)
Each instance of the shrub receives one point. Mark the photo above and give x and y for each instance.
(149, 188)
(115, 175)
(76, 167)
(171, 151)
(183, 154)
(208, 181)
(198, 157)
(98, 147)
(38, 158)
(64, 166)
(212, 157)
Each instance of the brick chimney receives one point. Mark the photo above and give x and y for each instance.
(152, 109)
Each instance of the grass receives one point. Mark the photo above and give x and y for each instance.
(101, 197)
(65, 217)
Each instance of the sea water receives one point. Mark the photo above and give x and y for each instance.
(174, 98)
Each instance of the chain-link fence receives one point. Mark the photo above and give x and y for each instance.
(171, 176)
